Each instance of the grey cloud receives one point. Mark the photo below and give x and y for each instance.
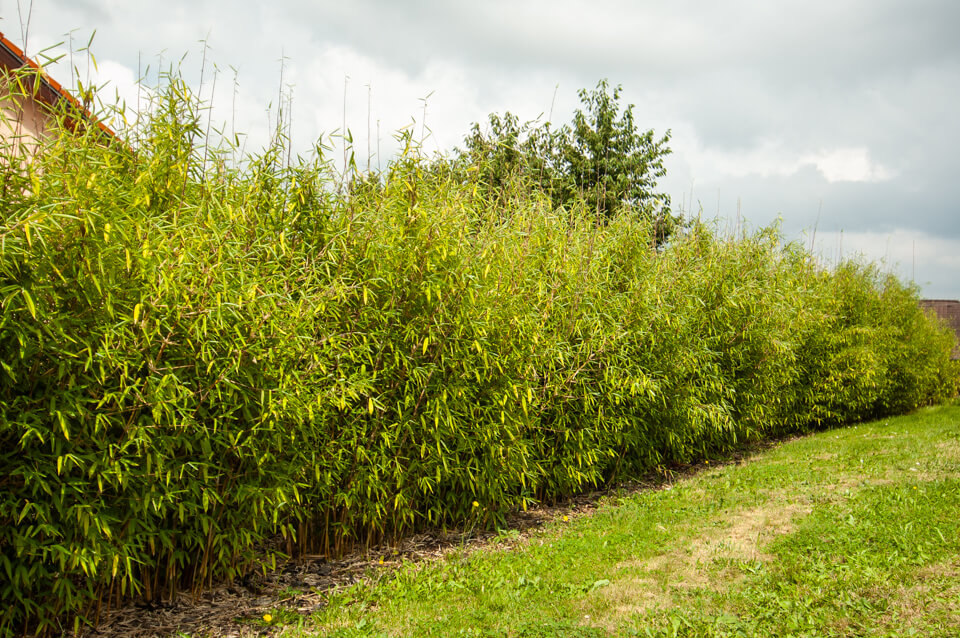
(816, 41)
(805, 196)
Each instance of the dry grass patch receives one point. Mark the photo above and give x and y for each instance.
(743, 538)
(628, 596)
(938, 464)
(949, 450)
(707, 560)
(934, 597)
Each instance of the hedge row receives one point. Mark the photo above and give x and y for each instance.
(198, 358)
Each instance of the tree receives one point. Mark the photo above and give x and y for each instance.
(508, 150)
(606, 160)
(600, 158)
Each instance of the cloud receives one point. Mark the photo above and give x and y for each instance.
(117, 85)
(848, 165)
(774, 157)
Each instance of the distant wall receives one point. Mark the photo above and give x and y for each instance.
(949, 311)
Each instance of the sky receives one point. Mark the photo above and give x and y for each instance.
(838, 118)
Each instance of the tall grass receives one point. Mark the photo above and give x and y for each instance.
(201, 359)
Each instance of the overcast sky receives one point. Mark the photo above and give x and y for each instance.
(839, 115)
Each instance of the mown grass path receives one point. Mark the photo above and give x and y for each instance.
(849, 532)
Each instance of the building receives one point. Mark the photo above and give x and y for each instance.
(29, 100)
(949, 311)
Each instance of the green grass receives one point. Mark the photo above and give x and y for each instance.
(849, 532)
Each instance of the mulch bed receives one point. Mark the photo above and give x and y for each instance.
(302, 586)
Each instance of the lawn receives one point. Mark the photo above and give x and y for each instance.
(847, 532)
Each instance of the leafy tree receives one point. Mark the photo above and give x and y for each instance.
(600, 158)
(606, 159)
(508, 151)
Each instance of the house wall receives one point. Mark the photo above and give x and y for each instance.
(28, 99)
(23, 121)
(949, 311)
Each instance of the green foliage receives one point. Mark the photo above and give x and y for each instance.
(600, 159)
(200, 359)
(609, 162)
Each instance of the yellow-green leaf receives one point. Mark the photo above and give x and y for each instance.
(30, 305)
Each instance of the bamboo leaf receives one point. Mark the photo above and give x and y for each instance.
(30, 305)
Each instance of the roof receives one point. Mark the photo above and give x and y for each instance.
(49, 91)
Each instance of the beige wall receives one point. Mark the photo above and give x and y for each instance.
(22, 120)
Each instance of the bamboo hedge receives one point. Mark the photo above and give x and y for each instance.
(209, 364)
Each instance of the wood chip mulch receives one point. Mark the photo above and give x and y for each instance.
(302, 586)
